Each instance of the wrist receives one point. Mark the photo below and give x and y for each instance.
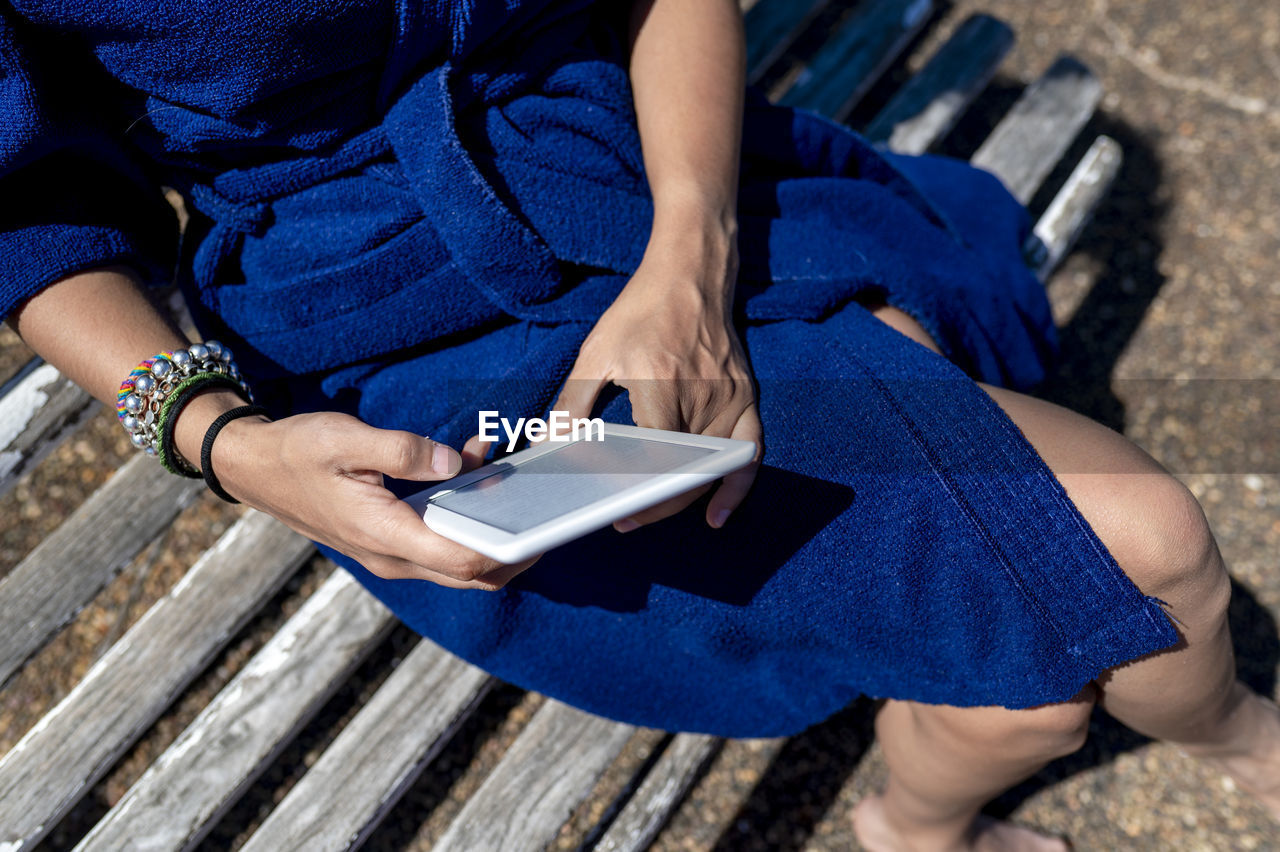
(695, 243)
(228, 458)
(695, 221)
(195, 419)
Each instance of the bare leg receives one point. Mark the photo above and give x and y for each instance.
(1158, 534)
(1156, 531)
(945, 763)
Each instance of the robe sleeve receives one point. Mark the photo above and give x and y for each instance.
(73, 195)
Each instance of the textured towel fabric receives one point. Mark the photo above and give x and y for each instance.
(70, 197)
(418, 215)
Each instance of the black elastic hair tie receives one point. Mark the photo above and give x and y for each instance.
(206, 449)
(178, 400)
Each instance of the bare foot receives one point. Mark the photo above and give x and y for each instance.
(1255, 765)
(876, 834)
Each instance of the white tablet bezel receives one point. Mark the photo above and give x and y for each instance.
(509, 547)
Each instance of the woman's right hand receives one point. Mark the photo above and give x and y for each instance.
(322, 475)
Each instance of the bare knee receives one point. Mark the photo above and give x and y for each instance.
(1047, 732)
(1059, 729)
(1148, 520)
(1168, 549)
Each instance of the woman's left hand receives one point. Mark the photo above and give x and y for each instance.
(669, 340)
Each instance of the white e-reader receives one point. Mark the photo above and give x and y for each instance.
(556, 491)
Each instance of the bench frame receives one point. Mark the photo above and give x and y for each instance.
(557, 758)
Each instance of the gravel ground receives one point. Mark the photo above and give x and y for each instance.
(1168, 310)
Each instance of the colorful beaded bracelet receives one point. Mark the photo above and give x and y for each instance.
(144, 391)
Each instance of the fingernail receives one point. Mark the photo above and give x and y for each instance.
(442, 459)
(718, 519)
(626, 525)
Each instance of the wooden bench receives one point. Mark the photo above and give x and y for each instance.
(555, 760)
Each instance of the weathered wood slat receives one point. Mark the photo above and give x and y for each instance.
(57, 579)
(226, 748)
(1029, 141)
(929, 105)
(659, 794)
(856, 55)
(377, 756)
(1073, 206)
(545, 774)
(38, 408)
(771, 27)
(77, 742)
(562, 751)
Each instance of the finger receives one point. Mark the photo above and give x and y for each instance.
(579, 394)
(655, 403)
(391, 568)
(400, 533)
(734, 487)
(499, 578)
(665, 509)
(703, 402)
(475, 452)
(403, 455)
(728, 414)
(397, 569)
(394, 568)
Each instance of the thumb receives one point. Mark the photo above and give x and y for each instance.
(402, 455)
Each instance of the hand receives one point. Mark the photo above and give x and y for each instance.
(669, 340)
(322, 475)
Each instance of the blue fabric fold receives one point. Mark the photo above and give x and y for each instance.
(73, 195)
(415, 211)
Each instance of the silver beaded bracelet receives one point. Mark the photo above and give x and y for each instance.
(143, 392)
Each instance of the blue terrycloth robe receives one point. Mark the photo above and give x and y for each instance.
(413, 211)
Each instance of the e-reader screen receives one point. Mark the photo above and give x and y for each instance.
(578, 474)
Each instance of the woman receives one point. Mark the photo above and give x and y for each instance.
(401, 216)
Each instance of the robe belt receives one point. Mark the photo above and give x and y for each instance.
(494, 248)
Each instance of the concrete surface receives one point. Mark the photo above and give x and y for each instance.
(1170, 311)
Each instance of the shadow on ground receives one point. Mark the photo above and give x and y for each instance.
(1125, 241)
(805, 777)
(802, 782)
(1257, 644)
